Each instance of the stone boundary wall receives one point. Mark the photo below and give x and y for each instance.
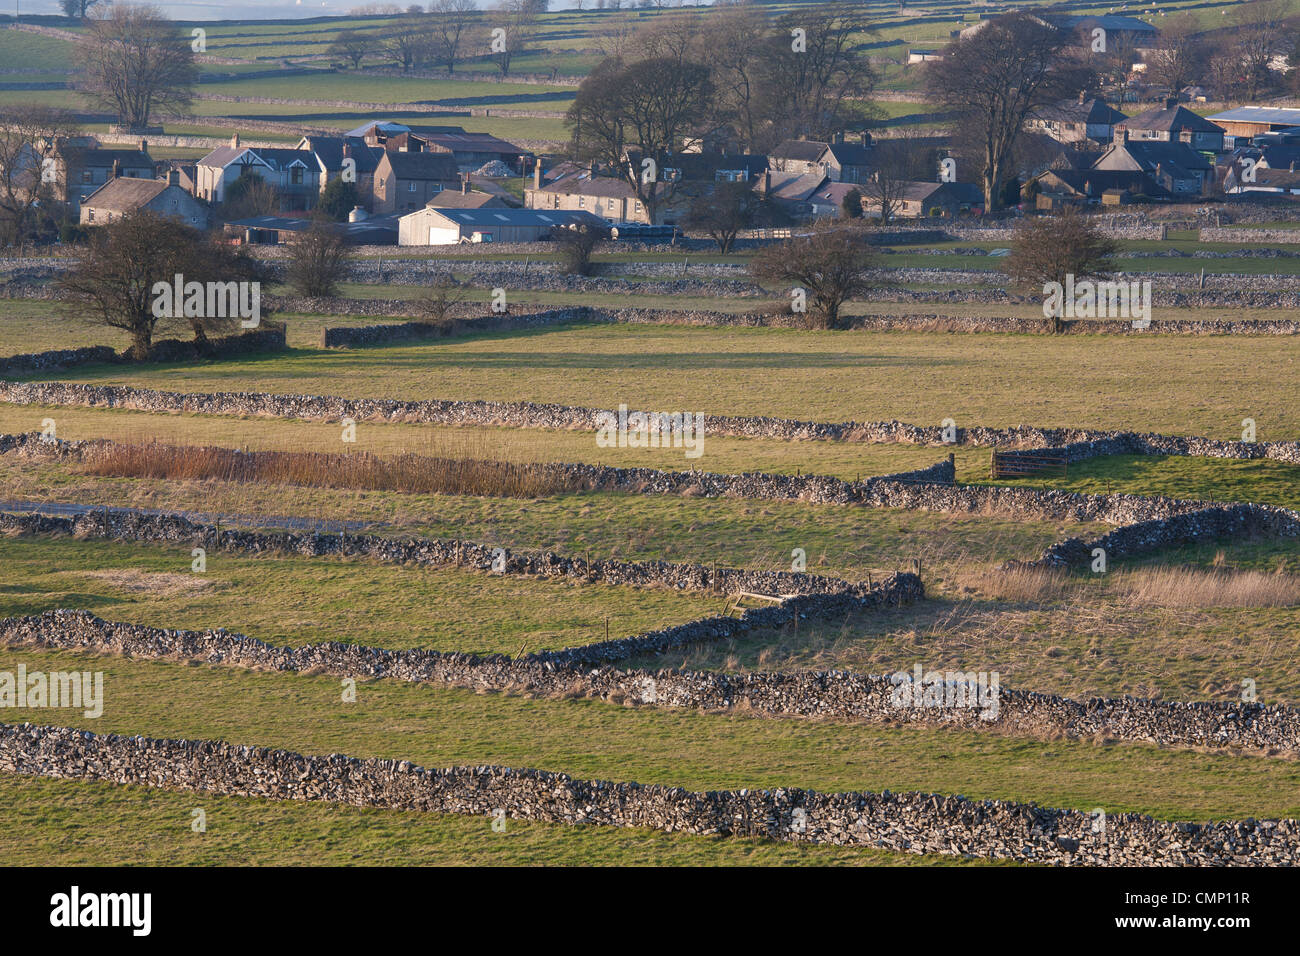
(1077, 443)
(1238, 234)
(902, 822)
(810, 694)
(1148, 523)
(33, 363)
(116, 524)
(267, 339)
(1226, 522)
(754, 319)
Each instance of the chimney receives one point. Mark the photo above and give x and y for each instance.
(464, 184)
(234, 141)
(144, 146)
(866, 138)
(173, 177)
(537, 173)
(1124, 135)
(1083, 96)
(117, 169)
(767, 181)
(1171, 102)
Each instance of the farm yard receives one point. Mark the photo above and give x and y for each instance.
(665, 551)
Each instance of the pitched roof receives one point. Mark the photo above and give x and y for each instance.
(835, 193)
(1151, 154)
(513, 217)
(1272, 115)
(330, 151)
(124, 194)
(795, 188)
(461, 141)
(1274, 178)
(281, 158)
(97, 156)
(1170, 120)
(1095, 111)
(455, 199)
(850, 154)
(422, 165)
(387, 127)
(800, 150)
(583, 183)
(223, 156)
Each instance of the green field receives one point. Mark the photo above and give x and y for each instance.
(442, 726)
(98, 824)
(1207, 385)
(292, 601)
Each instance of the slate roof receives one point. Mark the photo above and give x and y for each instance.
(125, 193)
(1169, 120)
(423, 165)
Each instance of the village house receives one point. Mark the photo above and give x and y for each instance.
(407, 181)
(1172, 123)
(82, 166)
(1076, 121)
(431, 226)
(838, 161)
(1174, 167)
(165, 196)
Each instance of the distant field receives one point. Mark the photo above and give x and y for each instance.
(839, 540)
(292, 601)
(1200, 385)
(437, 726)
(103, 824)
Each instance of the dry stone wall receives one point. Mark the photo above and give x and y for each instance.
(1076, 443)
(901, 822)
(811, 694)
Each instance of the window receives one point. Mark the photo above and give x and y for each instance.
(90, 215)
(295, 176)
(87, 176)
(582, 202)
(410, 187)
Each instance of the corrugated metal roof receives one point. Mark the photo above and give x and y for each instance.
(1259, 114)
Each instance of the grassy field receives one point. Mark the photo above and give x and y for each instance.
(838, 540)
(1098, 638)
(1261, 481)
(98, 824)
(292, 601)
(1206, 385)
(440, 726)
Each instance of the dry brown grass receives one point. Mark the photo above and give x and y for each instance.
(160, 583)
(1212, 587)
(409, 473)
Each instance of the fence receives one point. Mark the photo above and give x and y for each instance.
(1017, 464)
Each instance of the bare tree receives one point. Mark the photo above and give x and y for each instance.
(829, 267)
(995, 77)
(629, 117)
(1180, 56)
(353, 45)
(722, 212)
(576, 243)
(31, 176)
(452, 21)
(124, 260)
(1048, 249)
(814, 79)
(735, 39)
(407, 42)
(317, 260)
(79, 9)
(1262, 32)
(135, 62)
(513, 26)
(896, 164)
